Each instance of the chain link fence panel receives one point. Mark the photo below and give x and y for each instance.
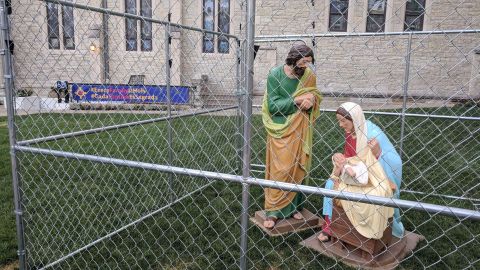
(157, 160)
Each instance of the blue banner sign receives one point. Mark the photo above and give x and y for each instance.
(119, 93)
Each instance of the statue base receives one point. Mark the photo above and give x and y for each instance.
(289, 225)
(352, 256)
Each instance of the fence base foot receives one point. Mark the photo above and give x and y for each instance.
(289, 225)
(352, 256)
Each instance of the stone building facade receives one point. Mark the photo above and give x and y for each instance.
(442, 65)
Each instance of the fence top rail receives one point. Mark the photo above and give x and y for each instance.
(437, 116)
(433, 116)
(397, 203)
(286, 38)
(137, 17)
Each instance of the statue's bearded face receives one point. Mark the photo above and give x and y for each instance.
(299, 71)
(301, 65)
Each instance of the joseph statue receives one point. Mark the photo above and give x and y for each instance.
(290, 107)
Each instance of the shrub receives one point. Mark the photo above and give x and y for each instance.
(24, 92)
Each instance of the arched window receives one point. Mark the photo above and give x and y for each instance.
(131, 25)
(376, 15)
(338, 16)
(53, 24)
(146, 27)
(68, 29)
(208, 24)
(223, 25)
(414, 12)
(223, 16)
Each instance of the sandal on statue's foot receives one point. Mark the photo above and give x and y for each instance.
(270, 222)
(297, 216)
(323, 237)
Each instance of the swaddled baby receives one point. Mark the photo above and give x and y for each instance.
(353, 170)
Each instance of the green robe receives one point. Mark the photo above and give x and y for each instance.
(281, 104)
(279, 93)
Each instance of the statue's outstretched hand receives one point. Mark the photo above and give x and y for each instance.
(375, 147)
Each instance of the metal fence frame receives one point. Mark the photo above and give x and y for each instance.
(244, 69)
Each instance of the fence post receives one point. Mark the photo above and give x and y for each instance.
(10, 102)
(247, 128)
(239, 93)
(168, 63)
(105, 41)
(405, 91)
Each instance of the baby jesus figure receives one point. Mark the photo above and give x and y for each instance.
(351, 171)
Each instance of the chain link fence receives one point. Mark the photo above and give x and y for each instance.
(156, 160)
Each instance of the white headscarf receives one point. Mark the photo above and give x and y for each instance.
(360, 125)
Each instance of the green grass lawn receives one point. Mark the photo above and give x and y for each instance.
(8, 242)
(71, 203)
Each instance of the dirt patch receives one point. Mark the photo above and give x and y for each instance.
(10, 266)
